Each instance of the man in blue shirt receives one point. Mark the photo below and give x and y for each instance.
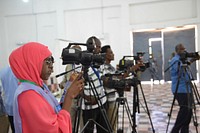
(9, 85)
(181, 89)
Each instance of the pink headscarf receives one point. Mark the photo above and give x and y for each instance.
(26, 61)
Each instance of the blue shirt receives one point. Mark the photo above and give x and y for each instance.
(176, 69)
(2, 108)
(9, 85)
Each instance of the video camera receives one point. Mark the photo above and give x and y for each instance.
(185, 55)
(125, 64)
(120, 84)
(86, 58)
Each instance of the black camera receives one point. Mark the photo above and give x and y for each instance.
(125, 64)
(122, 83)
(186, 55)
(75, 56)
(145, 66)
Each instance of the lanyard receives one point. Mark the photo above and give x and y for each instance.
(97, 74)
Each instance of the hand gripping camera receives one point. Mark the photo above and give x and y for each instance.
(185, 55)
(124, 64)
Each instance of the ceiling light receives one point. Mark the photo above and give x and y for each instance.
(25, 1)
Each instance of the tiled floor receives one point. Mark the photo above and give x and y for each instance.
(159, 102)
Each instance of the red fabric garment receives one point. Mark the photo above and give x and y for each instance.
(27, 60)
(39, 117)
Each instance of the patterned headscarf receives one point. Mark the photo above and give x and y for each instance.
(26, 61)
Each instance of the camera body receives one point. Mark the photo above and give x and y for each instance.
(185, 55)
(75, 56)
(125, 64)
(146, 65)
(120, 85)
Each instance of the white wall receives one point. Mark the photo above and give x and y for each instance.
(110, 20)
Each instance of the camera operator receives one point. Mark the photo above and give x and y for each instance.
(111, 93)
(35, 109)
(183, 95)
(90, 107)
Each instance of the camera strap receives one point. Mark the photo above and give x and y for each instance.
(97, 74)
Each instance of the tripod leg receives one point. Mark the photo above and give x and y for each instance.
(175, 94)
(170, 113)
(78, 116)
(116, 117)
(123, 115)
(101, 107)
(87, 125)
(128, 111)
(194, 115)
(123, 101)
(195, 92)
(147, 109)
(194, 87)
(134, 106)
(195, 95)
(195, 119)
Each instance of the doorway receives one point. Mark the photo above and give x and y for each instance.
(156, 59)
(161, 44)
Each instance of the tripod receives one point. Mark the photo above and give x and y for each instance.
(121, 100)
(91, 84)
(136, 107)
(192, 93)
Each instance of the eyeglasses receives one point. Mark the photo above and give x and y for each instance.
(49, 60)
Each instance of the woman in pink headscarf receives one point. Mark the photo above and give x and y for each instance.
(35, 109)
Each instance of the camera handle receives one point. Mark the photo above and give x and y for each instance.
(170, 66)
(183, 61)
(67, 71)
